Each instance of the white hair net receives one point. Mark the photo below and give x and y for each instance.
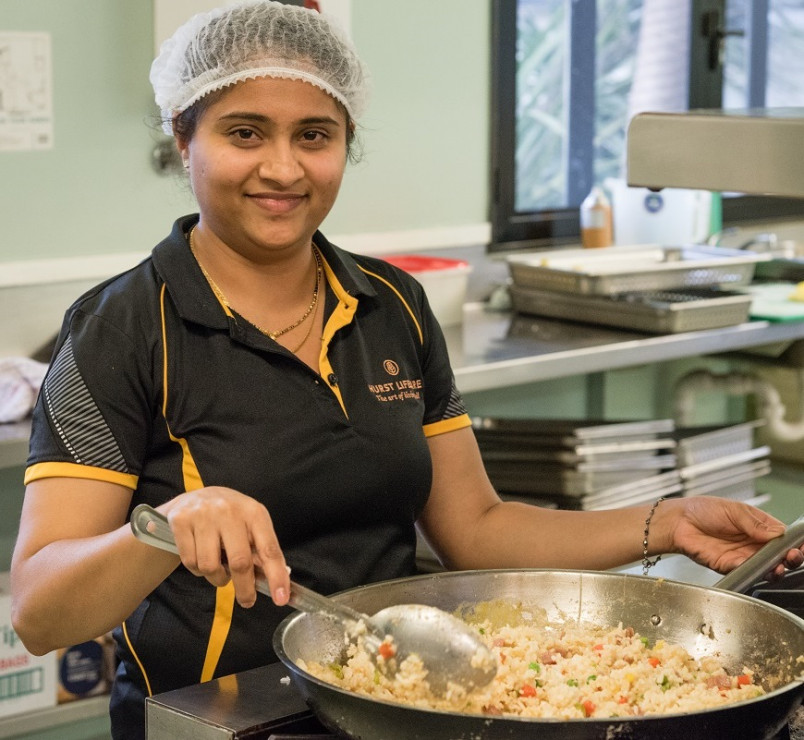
(256, 38)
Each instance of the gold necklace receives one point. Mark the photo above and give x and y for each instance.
(272, 334)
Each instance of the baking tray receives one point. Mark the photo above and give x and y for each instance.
(571, 432)
(726, 462)
(739, 474)
(648, 489)
(571, 458)
(702, 444)
(515, 462)
(559, 482)
(626, 269)
(663, 312)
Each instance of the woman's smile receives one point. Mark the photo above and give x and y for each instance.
(277, 203)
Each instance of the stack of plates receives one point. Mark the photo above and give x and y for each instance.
(579, 464)
(722, 461)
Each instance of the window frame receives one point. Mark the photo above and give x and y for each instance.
(512, 229)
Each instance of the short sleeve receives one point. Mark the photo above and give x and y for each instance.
(444, 407)
(95, 409)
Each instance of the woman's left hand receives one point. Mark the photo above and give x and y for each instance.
(721, 534)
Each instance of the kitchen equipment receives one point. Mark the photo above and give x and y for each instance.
(749, 151)
(742, 630)
(661, 312)
(640, 491)
(672, 216)
(571, 461)
(702, 444)
(625, 269)
(448, 647)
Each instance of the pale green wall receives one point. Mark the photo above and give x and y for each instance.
(425, 134)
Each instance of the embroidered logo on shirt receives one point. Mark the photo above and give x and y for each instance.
(398, 390)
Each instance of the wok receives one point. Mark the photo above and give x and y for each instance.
(738, 628)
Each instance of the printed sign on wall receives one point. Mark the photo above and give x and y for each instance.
(26, 91)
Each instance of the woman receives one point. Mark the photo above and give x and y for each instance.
(242, 380)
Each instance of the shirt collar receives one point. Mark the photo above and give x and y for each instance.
(190, 290)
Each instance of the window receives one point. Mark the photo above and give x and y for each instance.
(568, 74)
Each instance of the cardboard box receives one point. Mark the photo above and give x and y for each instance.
(27, 682)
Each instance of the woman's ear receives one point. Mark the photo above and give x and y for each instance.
(184, 151)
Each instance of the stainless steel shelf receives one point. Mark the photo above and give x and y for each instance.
(495, 350)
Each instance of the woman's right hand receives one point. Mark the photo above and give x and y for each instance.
(223, 534)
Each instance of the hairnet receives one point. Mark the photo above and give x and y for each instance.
(256, 38)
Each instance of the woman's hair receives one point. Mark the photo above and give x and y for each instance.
(255, 38)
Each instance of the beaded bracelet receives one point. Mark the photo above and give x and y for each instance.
(647, 563)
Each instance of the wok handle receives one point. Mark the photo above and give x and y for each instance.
(754, 569)
(152, 527)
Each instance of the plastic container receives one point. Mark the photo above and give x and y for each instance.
(444, 281)
(596, 222)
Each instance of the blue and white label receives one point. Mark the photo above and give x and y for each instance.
(654, 202)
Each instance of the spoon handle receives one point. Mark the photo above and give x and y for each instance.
(152, 527)
(307, 600)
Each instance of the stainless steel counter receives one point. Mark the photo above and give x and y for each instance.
(494, 349)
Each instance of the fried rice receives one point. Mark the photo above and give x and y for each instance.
(566, 671)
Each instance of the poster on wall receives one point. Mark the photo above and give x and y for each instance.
(170, 14)
(26, 91)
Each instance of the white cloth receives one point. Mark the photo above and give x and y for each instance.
(20, 381)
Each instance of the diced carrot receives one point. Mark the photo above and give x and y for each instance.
(527, 690)
(386, 650)
(744, 679)
(588, 708)
(654, 661)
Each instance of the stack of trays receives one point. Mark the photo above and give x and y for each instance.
(650, 289)
(722, 461)
(579, 464)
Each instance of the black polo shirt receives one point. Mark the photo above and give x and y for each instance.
(154, 387)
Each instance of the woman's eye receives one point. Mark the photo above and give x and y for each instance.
(243, 134)
(314, 137)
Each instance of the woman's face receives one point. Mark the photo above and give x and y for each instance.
(266, 163)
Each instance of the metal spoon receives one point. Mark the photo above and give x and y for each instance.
(449, 649)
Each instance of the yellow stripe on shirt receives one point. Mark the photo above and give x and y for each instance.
(224, 596)
(447, 425)
(74, 470)
(398, 295)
